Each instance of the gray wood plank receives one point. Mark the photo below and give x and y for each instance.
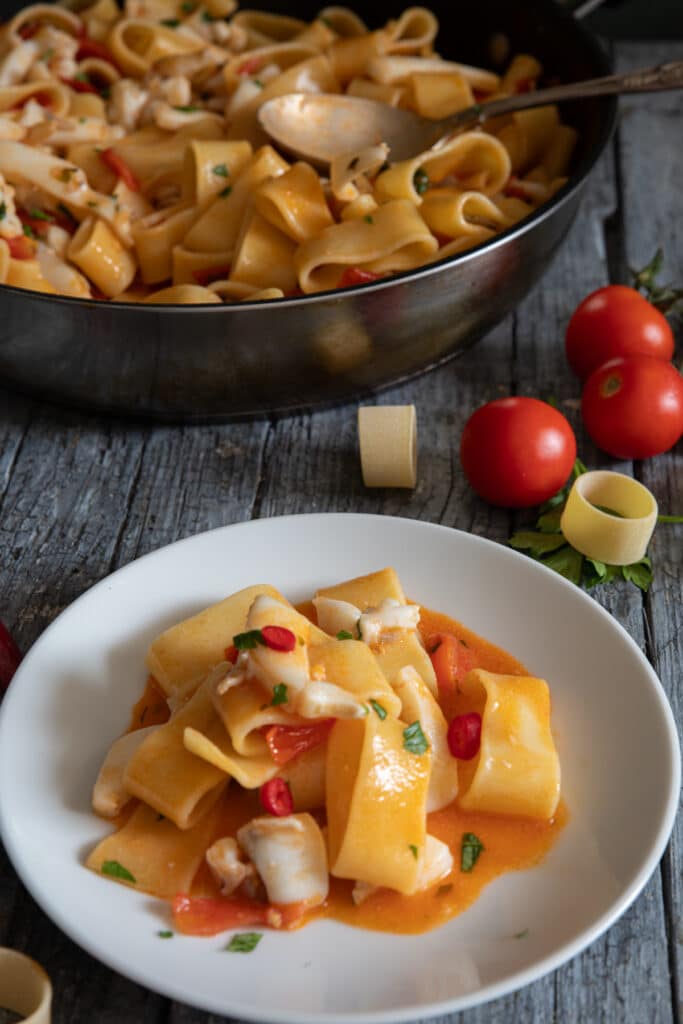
(655, 128)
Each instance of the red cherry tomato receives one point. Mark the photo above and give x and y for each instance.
(633, 407)
(517, 452)
(616, 321)
(276, 797)
(464, 736)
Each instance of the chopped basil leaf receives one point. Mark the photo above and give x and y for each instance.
(378, 709)
(358, 630)
(187, 7)
(243, 942)
(368, 219)
(470, 849)
(207, 17)
(48, 55)
(165, 935)
(258, 82)
(3, 211)
(82, 120)
(344, 634)
(279, 694)
(40, 215)
(221, 170)
(116, 870)
(249, 640)
(170, 22)
(420, 181)
(414, 740)
(28, 231)
(81, 77)
(226, 192)
(413, 849)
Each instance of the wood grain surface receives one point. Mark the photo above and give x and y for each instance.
(81, 496)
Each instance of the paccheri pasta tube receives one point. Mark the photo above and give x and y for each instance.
(288, 762)
(132, 157)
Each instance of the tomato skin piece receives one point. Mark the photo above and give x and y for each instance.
(632, 407)
(21, 247)
(206, 275)
(202, 916)
(119, 166)
(451, 660)
(354, 275)
(464, 736)
(517, 452)
(286, 742)
(615, 321)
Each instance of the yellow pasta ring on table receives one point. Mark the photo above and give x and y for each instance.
(387, 435)
(24, 987)
(609, 517)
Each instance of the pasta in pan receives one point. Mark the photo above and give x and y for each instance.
(133, 166)
(357, 758)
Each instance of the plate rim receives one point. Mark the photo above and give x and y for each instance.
(514, 981)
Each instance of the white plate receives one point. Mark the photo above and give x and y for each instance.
(73, 693)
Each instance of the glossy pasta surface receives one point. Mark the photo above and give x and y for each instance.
(285, 764)
(133, 167)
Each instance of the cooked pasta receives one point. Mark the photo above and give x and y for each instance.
(287, 763)
(133, 167)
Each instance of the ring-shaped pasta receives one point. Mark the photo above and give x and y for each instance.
(101, 256)
(263, 27)
(136, 44)
(182, 295)
(49, 93)
(42, 14)
(414, 32)
(344, 21)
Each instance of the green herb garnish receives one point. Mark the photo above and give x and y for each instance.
(81, 77)
(249, 640)
(258, 82)
(243, 942)
(187, 7)
(48, 55)
(28, 231)
(187, 110)
(279, 694)
(116, 870)
(470, 851)
(378, 709)
(420, 181)
(41, 215)
(221, 170)
(165, 935)
(414, 740)
(3, 211)
(207, 17)
(413, 849)
(170, 22)
(344, 634)
(368, 219)
(226, 192)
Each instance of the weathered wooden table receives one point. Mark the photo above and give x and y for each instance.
(81, 496)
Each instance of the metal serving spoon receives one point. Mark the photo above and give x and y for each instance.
(318, 127)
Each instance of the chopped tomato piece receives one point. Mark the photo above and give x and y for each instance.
(276, 797)
(10, 656)
(464, 736)
(278, 638)
(354, 275)
(231, 654)
(28, 31)
(80, 85)
(250, 67)
(21, 247)
(286, 742)
(119, 166)
(200, 916)
(451, 659)
(91, 48)
(206, 275)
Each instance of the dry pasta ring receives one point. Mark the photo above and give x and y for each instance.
(609, 517)
(24, 987)
(387, 436)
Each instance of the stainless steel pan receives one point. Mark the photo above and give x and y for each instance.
(223, 362)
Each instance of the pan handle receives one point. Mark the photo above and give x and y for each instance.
(580, 8)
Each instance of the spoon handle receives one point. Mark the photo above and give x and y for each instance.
(665, 76)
